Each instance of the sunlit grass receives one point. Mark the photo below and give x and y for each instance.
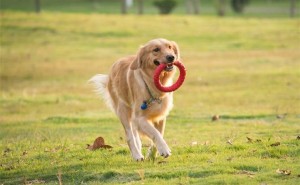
(245, 70)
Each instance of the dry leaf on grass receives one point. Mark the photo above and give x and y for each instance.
(249, 140)
(6, 151)
(194, 143)
(24, 153)
(229, 142)
(229, 158)
(275, 144)
(98, 143)
(215, 118)
(248, 173)
(284, 172)
(162, 162)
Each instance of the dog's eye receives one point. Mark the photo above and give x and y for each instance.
(156, 50)
(170, 47)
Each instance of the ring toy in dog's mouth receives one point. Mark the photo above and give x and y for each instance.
(169, 67)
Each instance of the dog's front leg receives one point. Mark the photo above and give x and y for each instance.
(131, 132)
(152, 151)
(155, 135)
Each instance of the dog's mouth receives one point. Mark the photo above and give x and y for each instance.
(168, 68)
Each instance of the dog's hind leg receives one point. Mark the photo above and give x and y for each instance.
(133, 141)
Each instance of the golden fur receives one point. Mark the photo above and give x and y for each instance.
(124, 90)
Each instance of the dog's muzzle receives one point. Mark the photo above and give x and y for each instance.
(169, 65)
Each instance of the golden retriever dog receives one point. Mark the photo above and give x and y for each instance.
(129, 87)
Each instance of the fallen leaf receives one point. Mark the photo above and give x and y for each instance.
(248, 173)
(215, 118)
(229, 142)
(284, 172)
(229, 158)
(162, 162)
(275, 144)
(280, 116)
(7, 150)
(98, 143)
(249, 140)
(24, 153)
(194, 143)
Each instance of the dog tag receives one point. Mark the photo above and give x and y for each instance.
(144, 105)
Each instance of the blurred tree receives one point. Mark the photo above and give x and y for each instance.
(37, 6)
(140, 6)
(165, 6)
(293, 8)
(239, 5)
(123, 7)
(221, 4)
(192, 6)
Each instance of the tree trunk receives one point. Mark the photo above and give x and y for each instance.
(293, 8)
(123, 7)
(140, 7)
(196, 6)
(188, 6)
(37, 6)
(192, 6)
(221, 7)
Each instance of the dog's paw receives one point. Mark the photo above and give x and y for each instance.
(138, 157)
(164, 150)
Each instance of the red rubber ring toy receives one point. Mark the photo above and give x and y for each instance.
(176, 85)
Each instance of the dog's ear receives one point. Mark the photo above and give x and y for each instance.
(137, 62)
(176, 49)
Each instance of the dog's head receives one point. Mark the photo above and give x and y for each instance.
(154, 53)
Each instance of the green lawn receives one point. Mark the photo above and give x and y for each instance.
(245, 70)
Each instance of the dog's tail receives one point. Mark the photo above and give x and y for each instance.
(99, 82)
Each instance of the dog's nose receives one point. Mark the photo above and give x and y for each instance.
(170, 58)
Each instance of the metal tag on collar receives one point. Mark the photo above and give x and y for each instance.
(144, 105)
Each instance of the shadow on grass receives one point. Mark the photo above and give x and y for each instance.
(61, 120)
(73, 174)
(247, 117)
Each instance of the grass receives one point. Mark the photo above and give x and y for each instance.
(245, 70)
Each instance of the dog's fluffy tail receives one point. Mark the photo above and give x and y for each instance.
(99, 82)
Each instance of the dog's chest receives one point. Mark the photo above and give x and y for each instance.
(161, 109)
